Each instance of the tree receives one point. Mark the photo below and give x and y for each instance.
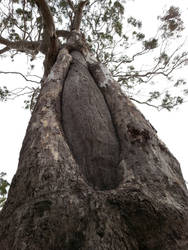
(107, 32)
(92, 173)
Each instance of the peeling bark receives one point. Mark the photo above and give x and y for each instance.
(61, 199)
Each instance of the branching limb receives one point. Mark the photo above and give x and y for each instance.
(78, 15)
(129, 60)
(14, 93)
(144, 102)
(22, 46)
(163, 68)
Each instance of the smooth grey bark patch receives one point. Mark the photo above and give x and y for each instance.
(89, 129)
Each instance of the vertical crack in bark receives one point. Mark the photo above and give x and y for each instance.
(89, 129)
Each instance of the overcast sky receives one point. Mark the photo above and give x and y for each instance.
(171, 126)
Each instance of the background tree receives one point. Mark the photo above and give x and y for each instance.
(92, 173)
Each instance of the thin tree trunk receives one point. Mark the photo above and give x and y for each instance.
(92, 173)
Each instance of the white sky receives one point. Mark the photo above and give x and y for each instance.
(171, 126)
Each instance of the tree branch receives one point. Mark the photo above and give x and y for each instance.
(22, 46)
(50, 44)
(49, 32)
(71, 5)
(4, 50)
(164, 70)
(63, 33)
(78, 15)
(18, 73)
(146, 103)
(48, 22)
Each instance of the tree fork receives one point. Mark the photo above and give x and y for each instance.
(78, 11)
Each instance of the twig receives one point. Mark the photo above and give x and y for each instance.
(146, 103)
(18, 73)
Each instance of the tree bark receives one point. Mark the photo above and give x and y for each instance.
(92, 173)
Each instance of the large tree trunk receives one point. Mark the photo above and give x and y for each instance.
(92, 173)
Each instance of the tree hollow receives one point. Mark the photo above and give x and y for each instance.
(89, 128)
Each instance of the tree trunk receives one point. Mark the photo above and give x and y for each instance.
(92, 173)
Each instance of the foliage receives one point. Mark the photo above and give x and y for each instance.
(116, 40)
(3, 189)
(4, 93)
(172, 23)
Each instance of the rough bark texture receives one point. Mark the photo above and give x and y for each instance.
(66, 194)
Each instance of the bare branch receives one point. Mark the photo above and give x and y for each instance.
(78, 15)
(22, 93)
(129, 60)
(48, 22)
(135, 55)
(4, 50)
(63, 33)
(71, 5)
(18, 73)
(166, 69)
(70, 14)
(49, 33)
(24, 21)
(137, 75)
(146, 103)
(22, 46)
(34, 76)
(50, 44)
